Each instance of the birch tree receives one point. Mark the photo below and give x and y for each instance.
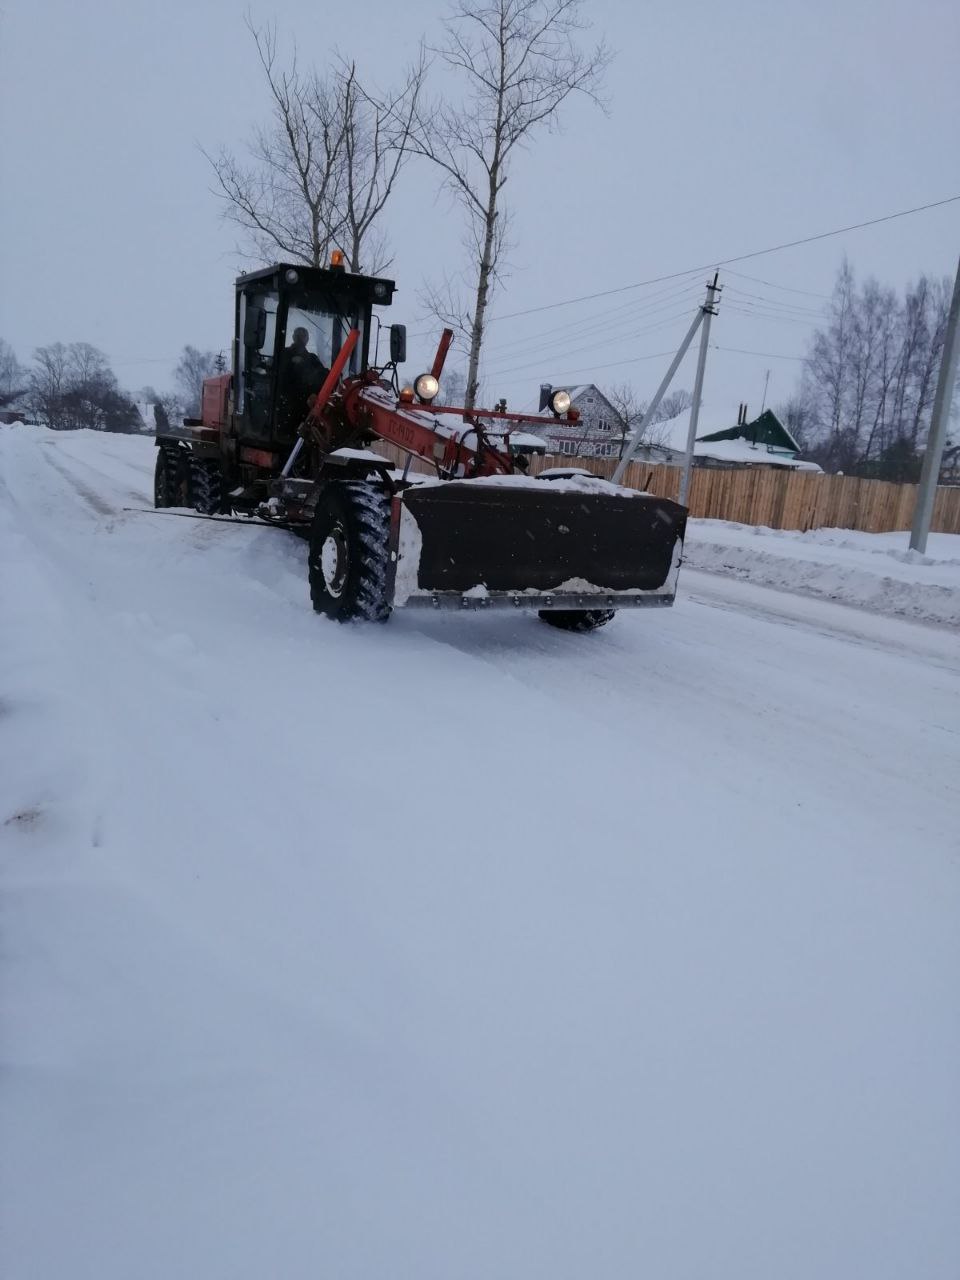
(519, 60)
(869, 378)
(828, 364)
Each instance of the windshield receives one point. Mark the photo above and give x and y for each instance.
(325, 325)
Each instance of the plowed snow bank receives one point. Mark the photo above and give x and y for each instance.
(876, 571)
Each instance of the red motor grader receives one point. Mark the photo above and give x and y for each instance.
(290, 435)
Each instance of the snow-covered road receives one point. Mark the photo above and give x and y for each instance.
(460, 947)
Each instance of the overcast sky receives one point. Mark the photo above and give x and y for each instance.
(732, 127)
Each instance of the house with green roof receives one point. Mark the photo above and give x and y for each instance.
(764, 442)
(767, 430)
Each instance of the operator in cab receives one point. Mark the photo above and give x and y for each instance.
(302, 373)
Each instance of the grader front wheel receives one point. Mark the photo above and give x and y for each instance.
(350, 552)
(577, 619)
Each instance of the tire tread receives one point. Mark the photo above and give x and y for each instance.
(367, 509)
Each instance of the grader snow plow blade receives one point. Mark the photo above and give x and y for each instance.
(523, 543)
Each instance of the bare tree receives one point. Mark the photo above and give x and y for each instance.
(376, 143)
(453, 386)
(320, 173)
(878, 331)
(521, 60)
(87, 364)
(867, 388)
(796, 414)
(48, 382)
(192, 367)
(169, 410)
(630, 411)
(914, 355)
(285, 197)
(828, 364)
(672, 405)
(933, 327)
(73, 387)
(13, 376)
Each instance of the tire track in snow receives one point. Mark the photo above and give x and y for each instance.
(74, 441)
(91, 496)
(912, 638)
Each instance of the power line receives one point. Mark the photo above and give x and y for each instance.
(767, 355)
(607, 319)
(771, 284)
(756, 313)
(778, 303)
(603, 318)
(610, 339)
(668, 322)
(733, 307)
(147, 360)
(606, 330)
(723, 262)
(567, 373)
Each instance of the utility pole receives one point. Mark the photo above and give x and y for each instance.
(707, 311)
(647, 418)
(942, 401)
(766, 383)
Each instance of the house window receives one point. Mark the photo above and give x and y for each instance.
(603, 425)
(605, 450)
(567, 447)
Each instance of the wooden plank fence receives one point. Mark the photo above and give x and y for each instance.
(767, 496)
(782, 499)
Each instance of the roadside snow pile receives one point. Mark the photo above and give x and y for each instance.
(875, 571)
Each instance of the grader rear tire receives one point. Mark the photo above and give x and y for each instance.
(170, 478)
(206, 485)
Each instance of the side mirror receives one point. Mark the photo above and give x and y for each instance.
(398, 343)
(255, 327)
(545, 392)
